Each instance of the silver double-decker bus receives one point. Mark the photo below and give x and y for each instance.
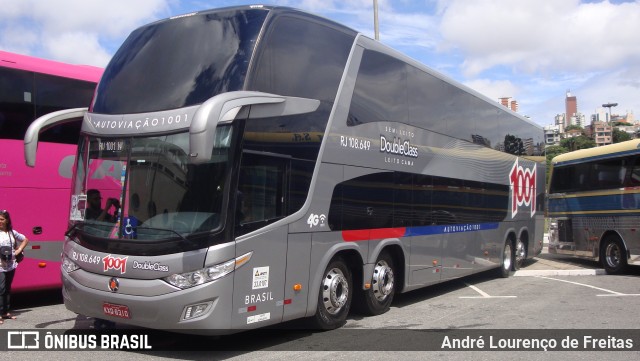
(245, 166)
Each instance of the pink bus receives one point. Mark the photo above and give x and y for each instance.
(38, 198)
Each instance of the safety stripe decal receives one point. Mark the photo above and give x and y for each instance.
(380, 233)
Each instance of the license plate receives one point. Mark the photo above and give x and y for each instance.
(111, 309)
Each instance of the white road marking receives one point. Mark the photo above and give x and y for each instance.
(483, 294)
(610, 293)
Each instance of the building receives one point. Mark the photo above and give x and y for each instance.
(630, 118)
(600, 128)
(632, 130)
(578, 119)
(507, 102)
(573, 133)
(600, 115)
(552, 134)
(600, 132)
(571, 106)
(560, 121)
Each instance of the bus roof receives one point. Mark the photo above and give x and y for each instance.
(23, 62)
(606, 151)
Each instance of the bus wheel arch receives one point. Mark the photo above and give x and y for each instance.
(520, 250)
(386, 280)
(613, 253)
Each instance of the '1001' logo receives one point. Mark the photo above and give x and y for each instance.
(115, 263)
(523, 183)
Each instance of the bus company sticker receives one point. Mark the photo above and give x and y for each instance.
(78, 205)
(260, 278)
(316, 220)
(85, 258)
(355, 143)
(523, 188)
(398, 146)
(150, 266)
(259, 318)
(117, 263)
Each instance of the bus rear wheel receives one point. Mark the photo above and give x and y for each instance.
(334, 296)
(377, 299)
(613, 255)
(520, 254)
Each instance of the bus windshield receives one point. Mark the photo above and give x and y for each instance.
(146, 188)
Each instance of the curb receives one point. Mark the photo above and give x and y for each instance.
(560, 272)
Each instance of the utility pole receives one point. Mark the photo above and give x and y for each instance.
(375, 20)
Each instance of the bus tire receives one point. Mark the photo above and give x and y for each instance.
(507, 259)
(613, 255)
(334, 296)
(377, 299)
(520, 254)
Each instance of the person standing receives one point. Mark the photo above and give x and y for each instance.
(17, 242)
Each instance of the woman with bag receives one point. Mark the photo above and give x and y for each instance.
(12, 244)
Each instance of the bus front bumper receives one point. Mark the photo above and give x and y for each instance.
(169, 311)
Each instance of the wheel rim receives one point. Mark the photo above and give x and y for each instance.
(520, 253)
(613, 255)
(383, 280)
(506, 259)
(335, 291)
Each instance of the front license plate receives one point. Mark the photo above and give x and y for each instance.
(111, 309)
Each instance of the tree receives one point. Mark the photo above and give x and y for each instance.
(619, 136)
(579, 142)
(550, 153)
(554, 150)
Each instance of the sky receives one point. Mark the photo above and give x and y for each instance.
(533, 51)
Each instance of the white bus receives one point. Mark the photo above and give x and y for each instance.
(271, 165)
(594, 196)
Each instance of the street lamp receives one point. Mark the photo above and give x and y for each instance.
(609, 105)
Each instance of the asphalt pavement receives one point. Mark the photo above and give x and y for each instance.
(546, 264)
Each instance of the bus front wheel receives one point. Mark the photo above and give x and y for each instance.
(334, 296)
(613, 255)
(377, 299)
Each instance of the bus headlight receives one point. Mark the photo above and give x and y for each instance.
(68, 265)
(208, 274)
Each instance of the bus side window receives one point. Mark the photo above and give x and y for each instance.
(610, 173)
(634, 178)
(606, 178)
(261, 185)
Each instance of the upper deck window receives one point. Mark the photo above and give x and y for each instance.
(180, 62)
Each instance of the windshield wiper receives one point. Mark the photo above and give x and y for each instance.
(137, 229)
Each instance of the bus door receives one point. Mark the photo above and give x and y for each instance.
(261, 201)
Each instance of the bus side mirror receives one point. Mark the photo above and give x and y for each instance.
(43, 123)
